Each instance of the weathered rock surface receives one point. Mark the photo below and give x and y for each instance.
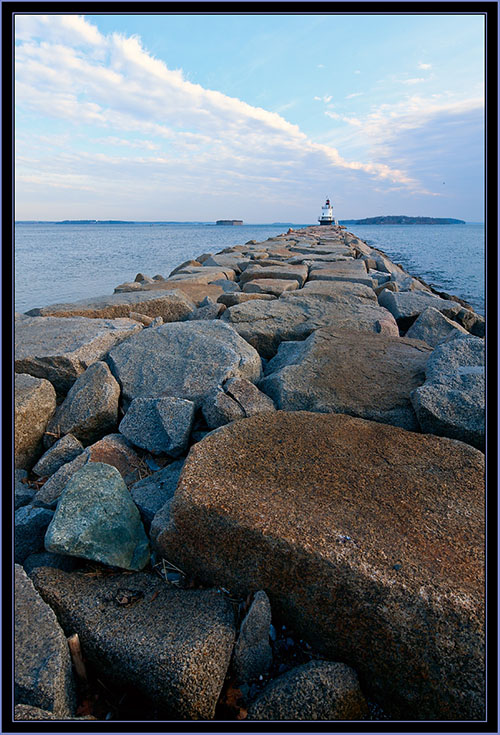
(34, 404)
(47, 559)
(451, 402)
(172, 646)
(30, 525)
(230, 299)
(252, 654)
(182, 360)
(90, 410)
(51, 490)
(433, 327)
(97, 519)
(208, 311)
(282, 272)
(159, 424)
(365, 375)
(63, 451)
(172, 306)
(387, 576)
(342, 291)
(23, 493)
(294, 317)
(151, 493)
(274, 286)
(406, 306)
(27, 712)
(236, 399)
(42, 664)
(61, 349)
(318, 690)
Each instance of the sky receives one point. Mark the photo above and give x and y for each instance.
(257, 117)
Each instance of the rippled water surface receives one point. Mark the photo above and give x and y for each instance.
(57, 263)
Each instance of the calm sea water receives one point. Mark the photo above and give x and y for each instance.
(58, 263)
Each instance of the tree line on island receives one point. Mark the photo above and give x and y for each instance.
(400, 219)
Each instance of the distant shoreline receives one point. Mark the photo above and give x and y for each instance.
(403, 220)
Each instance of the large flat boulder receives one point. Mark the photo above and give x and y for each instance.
(407, 305)
(182, 360)
(282, 272)
(365, 375)
(97, 519)
(171, 646)
(42, 664)
(451, 402)
(196, 292)
(61, 349)
(159, 424)
(172, 306)
(434, 327)
(368, 538)
(295, 315)
(34, 405)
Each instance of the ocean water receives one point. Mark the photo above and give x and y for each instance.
(60, 263)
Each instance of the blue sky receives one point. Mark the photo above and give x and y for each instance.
(256, 117)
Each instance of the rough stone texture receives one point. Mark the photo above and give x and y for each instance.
(230, 299)
(30, 525)
(287, 272)
(63, 451)
(34, 404)
(237, 399)
(433, 327)
(195, 291)
(27, 712)
(341, 290)
(209, 311)
(113, 449)
(318, 690)
(183, 265)
(365, 375)
(42, 663)
(173, 306)
(294, 317)
(23, 493)
(368, 538)
(274, 286)
(451, 402)
(183, 360)
(406, 306)
(173, 646)
(47, 559)
(151, 493)
(218, 409)
(97, 519)
(252, 654)
(159, 424)
(472, 322)
(61, 349)
(90, 410)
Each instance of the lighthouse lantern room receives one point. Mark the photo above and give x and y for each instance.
(326, 217)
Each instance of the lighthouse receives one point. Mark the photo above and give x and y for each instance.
(326, 217)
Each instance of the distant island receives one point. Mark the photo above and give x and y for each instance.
(401, 219)
(229, 222)
(94, 222)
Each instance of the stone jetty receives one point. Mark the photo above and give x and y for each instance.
(252, 488)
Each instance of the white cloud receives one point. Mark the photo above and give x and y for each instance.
(354, 94)
(424, 66)
(415, 80)
(67, 70)
(357, 71)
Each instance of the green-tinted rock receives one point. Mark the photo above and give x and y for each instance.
(97, 519)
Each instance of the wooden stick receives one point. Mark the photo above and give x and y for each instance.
(76, 656)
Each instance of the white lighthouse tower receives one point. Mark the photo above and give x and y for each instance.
(326, 217)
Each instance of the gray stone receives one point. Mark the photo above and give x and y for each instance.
(230, 299)
(218, 408)
(472, 322)
(183, 265)
(237, 399)
(63, 451)
(61, 349)
(42, 663)
(275, 286)
(406, 306)
(182, 360)
(27, 712)
(227, 286)
(97, 519)
(172, 306)
(47, 559)
(433, 327)
(90, 410)
(288, 272)
(151, 493)
(34, 404)
(252, 654)
(318, 690)
(294, 317)
(172, 646)
(30, 525)
(159, 424)
(342, 291)
(451, 402)
(23, 493)
(209, 311)
(161, 520)
(365, 375)
(50, 492)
